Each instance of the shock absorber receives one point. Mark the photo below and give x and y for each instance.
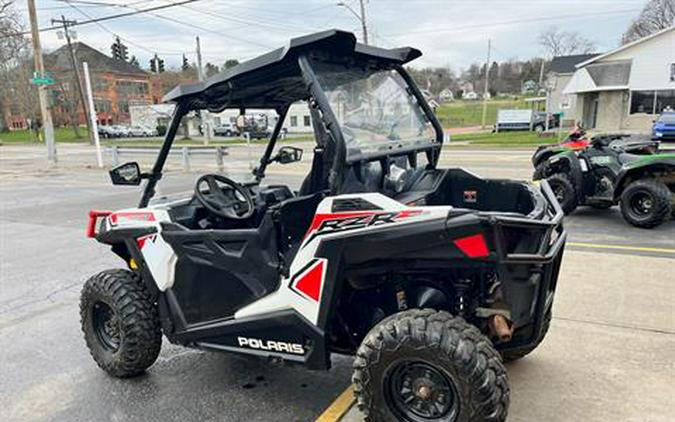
(462, 288)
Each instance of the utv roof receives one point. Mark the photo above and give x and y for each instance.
(274, 79)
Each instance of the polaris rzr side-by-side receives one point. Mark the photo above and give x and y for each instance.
(612, 169)
(430, 277)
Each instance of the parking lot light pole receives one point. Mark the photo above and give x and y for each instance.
(360, 16)
(92, 114)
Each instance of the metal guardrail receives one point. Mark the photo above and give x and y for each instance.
(186, 152)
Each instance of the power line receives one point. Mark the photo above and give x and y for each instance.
(514, 21)
(142, 47)
(180, 22)
(105, 18)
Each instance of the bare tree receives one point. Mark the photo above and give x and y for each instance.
(656, 15)
(17, 95)
(563, 43)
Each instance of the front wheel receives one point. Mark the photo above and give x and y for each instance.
(424, 365)
(120, 323)
(646, 203)
(564, 191)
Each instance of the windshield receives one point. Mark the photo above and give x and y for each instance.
(376, 112)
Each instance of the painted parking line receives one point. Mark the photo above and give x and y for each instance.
(339, 407)
(622, 247)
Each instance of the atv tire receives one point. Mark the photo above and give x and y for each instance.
(511, 355)
(646, 203)
(564, 191)
(424, 365)
(120, 323)
(541, 171)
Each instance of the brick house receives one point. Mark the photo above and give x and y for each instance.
(116, 85)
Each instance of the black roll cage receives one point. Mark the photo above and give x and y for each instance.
(317, 100)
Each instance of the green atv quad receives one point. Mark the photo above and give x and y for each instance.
(602, 175)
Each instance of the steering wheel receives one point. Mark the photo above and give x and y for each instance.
(237, 206)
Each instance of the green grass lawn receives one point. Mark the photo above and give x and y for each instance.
(470, 113)
(64, 135)
(504, 139)
(61, 134)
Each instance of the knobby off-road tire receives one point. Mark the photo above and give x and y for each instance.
(449, 364)
(646, 203)
(512, 355)
(120, 323)
(564, 191)
(541, 171)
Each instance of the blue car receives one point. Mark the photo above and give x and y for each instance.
(664, 126)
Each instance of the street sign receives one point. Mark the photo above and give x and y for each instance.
(44, 79)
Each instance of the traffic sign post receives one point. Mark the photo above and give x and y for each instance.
(44, 79)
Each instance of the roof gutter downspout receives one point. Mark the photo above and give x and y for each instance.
(156, 174)
(329, 119)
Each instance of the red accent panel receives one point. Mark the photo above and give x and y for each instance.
(473, 246)
(93, 218)
(310, 282)
(132, 215)
(142, 240)
(577, 145)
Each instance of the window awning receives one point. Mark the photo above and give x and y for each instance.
(609, 76)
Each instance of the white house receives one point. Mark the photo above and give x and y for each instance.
(560, 73)
(626, 88)
(446, 96)
(298, 119)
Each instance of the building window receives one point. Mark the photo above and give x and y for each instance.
(642, 102)
(102, 106)
(665, 100)
(305, 121)
(294, 121)
(652, 102)
(123, 107)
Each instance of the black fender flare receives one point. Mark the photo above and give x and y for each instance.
(568, 162)
(637, 169)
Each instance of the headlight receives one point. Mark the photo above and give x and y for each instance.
(658, 134)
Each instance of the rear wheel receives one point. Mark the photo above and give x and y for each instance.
(424, 365)
(120, 323)
(646, 203)
(564, 191)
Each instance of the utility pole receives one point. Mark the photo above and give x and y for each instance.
(487, 79)
(364, 26)
(47, 124)
(65, 23)
(360, 16)
(206, 123)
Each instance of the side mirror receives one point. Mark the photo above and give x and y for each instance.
(126, 174)
(288, 155)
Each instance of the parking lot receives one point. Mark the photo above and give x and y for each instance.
(608, 357)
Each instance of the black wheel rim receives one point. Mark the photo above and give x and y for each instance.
(418, 392)
(558, 191)
(642, 203)
(106, 326)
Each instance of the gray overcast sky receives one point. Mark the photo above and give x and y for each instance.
(449, 32)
